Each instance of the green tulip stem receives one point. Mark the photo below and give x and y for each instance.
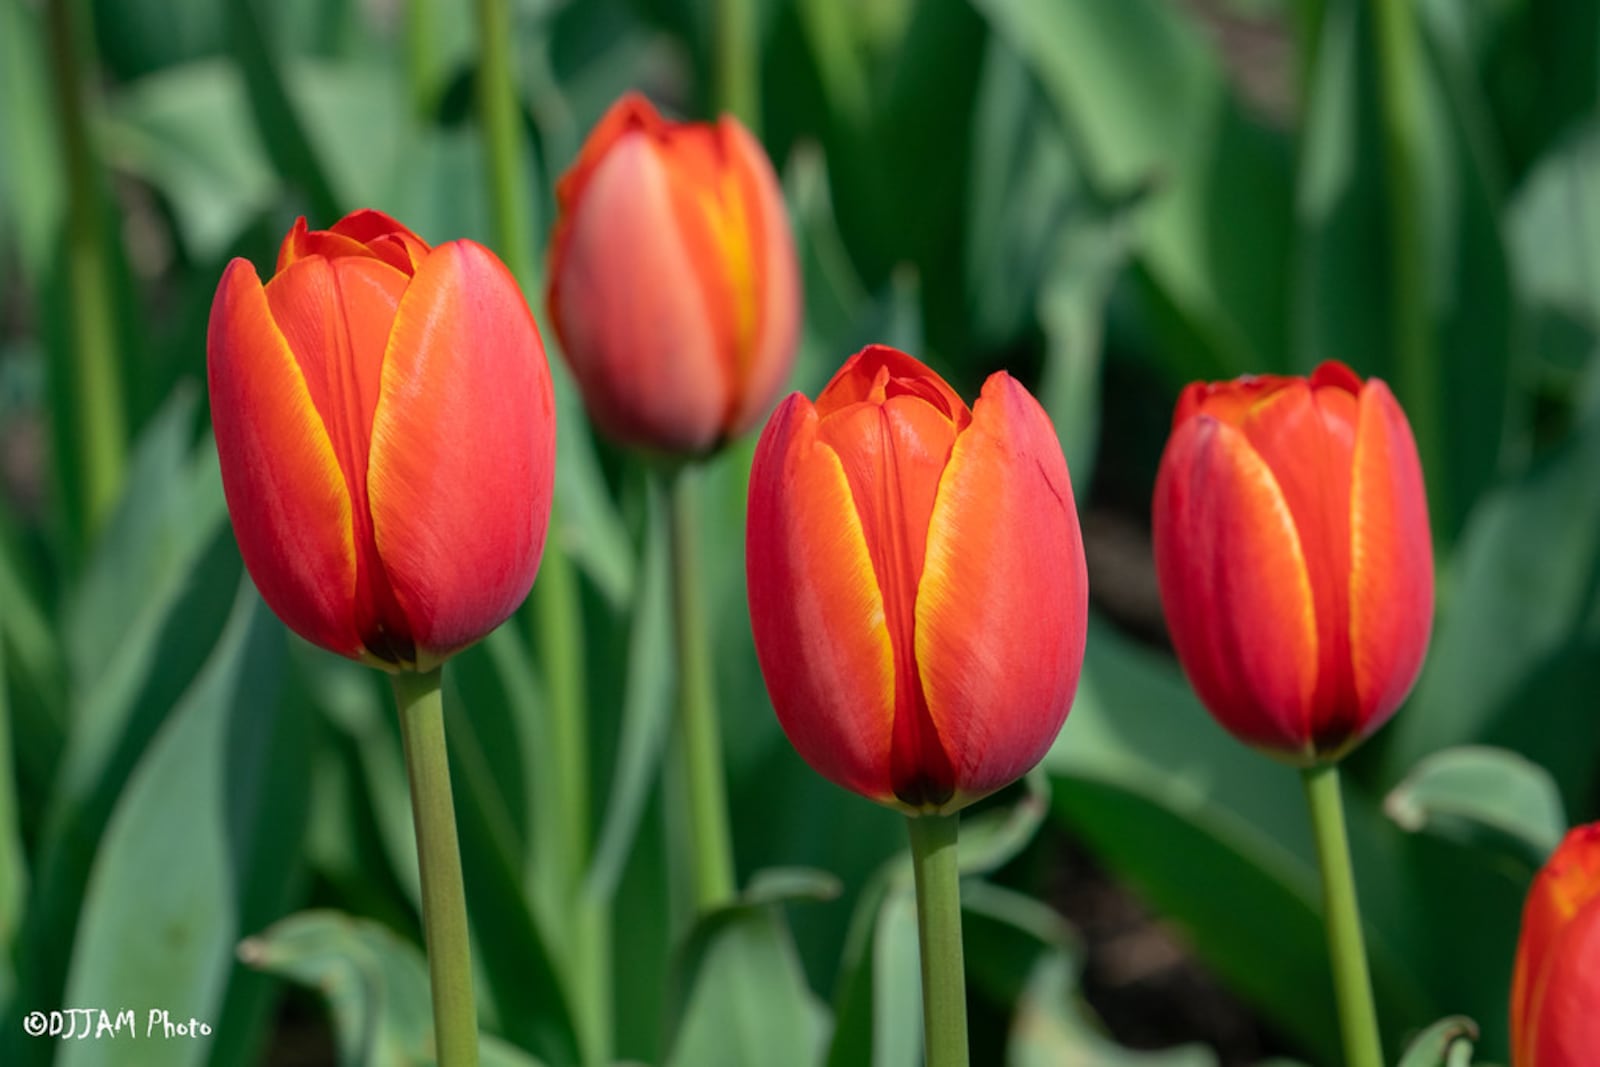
(1352, 983)
(700, 744)
(738, 86)
(99, 426)
(944, 984)
(554, 609)
(444, 903)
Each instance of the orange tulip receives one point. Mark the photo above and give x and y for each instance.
(1555, 989)
(386, 428)
(673, 283)
(916, 579)
(1293, 553)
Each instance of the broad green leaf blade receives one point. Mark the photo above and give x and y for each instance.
(204, 835)
(13, 859)
(1146, 107)
(186, 131)
(647, 705)
(897, 1036)
(1484, 797)
(1052, 1028)
(747, 1000)
(991, 838)
(376, 986)
(32, 183)
(1447, 1043)
(1217, 837)
(1343, 293)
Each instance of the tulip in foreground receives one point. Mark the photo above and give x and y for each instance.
(917, 583)
(385, 422)
(1295, 563)
(1296, 573)
(386, 430)
(1555, 989)
(919, 602)
(674, 287)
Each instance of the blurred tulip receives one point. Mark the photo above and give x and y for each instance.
(917, 584)
(1294, 558)
(386, 428)
(673, 283)
(1555, 990)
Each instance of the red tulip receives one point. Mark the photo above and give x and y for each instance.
(673, 282)
(1293, 553)
(916, 578)
(386, 428)
(1555, 990)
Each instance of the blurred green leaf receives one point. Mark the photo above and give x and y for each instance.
(187, 131)
(1447, 1043)
(1051, 1029)
(376, 986)
(13, 859)
(1343, 291)
(992, 837)
(1146, 108)
(878, 996)
(744, 995)
(1483, 797)
(32, 184)
(646, 709)
(203, 838)
(1216, 836)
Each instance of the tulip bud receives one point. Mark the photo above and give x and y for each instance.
(386, 429)
(1294, 558)
(916, 579)
(673, 283)
(1555, 989)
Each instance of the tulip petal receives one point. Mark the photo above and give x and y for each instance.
(1565, 1029)
(1002, 609)
(636, 327)
(1567, 888)
(769, 351)
(1391, 558)
(818, 617)
(1234, 586)
(463, 450)
(286, 490)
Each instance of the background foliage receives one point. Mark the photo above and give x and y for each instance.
(200, 813)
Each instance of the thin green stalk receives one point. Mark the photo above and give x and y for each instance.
(944, 983)
(424, 62)
(700, 745)
(1358, 1019)
(555, 609)
(99, 424)
(738, 88)
(444, 902)
(1401, 100)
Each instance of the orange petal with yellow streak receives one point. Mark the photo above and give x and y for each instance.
(286, 492)
(815, 608)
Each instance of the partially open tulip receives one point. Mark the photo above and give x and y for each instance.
(1293, 553)
(673, 284)
(916, 578)
(386, 428)
(1555, 990)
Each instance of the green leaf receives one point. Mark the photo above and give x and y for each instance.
(992, 837)
(186, 131)
(1483, 797)
(647, 705)
(1343, 295)
(1052, 1027)
(1216, 836)
(747, 1000)
(32, 181)
(203, 838)
(1447, 1043)
(13, 859)
(1146, 107)
(878, 996)
(376, 986)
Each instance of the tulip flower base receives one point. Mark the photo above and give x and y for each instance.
(444, 905)
(944, 987)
